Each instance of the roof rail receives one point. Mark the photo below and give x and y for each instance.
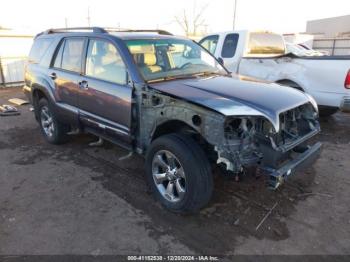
(159, 31)
(62, 30)
(103, 30)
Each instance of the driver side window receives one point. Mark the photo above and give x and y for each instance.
(104, 62)
(210, 43)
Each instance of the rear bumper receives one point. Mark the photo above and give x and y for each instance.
(336, 100)
(345, 104)
(302, 160)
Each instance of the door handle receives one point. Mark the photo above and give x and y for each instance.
(53, 76)
(83, 84)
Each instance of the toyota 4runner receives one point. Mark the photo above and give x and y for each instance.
(169, 100)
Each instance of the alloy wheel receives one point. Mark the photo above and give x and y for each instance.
(169, 176)
(47, 122)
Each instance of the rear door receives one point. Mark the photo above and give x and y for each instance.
(104, 93)
(223, 47)
(66, 72)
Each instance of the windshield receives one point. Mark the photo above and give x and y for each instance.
(165, 59)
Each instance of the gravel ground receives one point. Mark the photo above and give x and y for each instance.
(76, 199)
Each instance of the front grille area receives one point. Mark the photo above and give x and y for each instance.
(296, 123)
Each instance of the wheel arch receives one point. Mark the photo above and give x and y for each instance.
(290, 83)
(37, 94)
(182, 127)
(173, 126)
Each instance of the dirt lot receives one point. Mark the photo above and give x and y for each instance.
(75, 199)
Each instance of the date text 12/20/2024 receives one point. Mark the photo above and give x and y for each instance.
(173, 258)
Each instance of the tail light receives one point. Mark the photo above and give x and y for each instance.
(347, 81)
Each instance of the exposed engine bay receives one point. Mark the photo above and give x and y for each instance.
(253, 140)
(236, 142)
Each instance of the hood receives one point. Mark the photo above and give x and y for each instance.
(236, 96)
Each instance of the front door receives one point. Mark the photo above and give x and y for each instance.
(104, 96)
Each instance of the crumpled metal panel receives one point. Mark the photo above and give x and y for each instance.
(236, 97)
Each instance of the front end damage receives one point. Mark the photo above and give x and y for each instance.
(239, 140)
(253, 141)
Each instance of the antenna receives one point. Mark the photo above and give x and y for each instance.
(88, 17)
(234, 14)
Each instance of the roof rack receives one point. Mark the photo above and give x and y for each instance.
(104, 30)
(62, 30)
(159, 31)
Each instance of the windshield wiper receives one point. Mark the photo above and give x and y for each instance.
(188, 76)
(208, 73)
(168, 78)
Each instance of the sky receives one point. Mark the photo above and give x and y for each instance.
(281, 16)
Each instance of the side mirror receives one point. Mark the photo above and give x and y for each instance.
(221, 61)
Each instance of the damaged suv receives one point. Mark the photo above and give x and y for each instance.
(169, 100)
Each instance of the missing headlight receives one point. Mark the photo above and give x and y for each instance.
(238, 128)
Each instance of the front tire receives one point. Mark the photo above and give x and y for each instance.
(179, 173)
(54, 131)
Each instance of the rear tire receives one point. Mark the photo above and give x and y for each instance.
(54, 131)
(195, 181)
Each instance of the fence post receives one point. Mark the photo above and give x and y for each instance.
(2, 77)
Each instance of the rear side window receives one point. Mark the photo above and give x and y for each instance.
(210, 43)
(39, 49)
(230, 45)
(265, 44)
(69, 55)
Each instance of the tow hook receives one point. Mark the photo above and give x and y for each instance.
(274, 182)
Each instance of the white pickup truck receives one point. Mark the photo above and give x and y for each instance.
(263, 55)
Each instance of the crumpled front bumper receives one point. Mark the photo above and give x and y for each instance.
(276, 177)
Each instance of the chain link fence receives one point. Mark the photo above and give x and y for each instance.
(334, 46)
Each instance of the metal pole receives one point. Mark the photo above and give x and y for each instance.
(2, 77)
(234, 14)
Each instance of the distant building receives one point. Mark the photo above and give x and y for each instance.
(331, 34)
(329, 27)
